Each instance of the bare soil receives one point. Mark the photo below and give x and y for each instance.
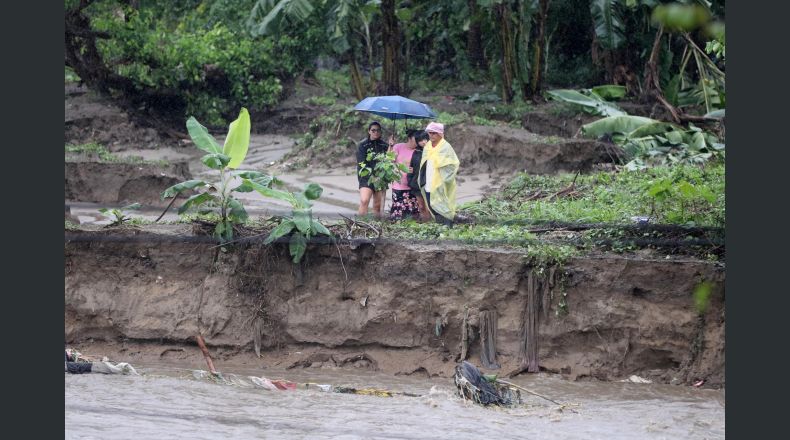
(143, 294)
(122, 183)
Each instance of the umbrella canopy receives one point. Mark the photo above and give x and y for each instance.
(395, 107)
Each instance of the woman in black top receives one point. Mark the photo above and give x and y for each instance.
(414, 177)
(374, 144)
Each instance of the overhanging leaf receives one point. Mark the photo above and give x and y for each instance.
(183, 186)
(238, 140)
(201, 137)
(271, 192)
(196, 200)
(281, 230)
(318, 228)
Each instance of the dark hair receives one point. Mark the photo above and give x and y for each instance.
(373, 123)
(420, 135)
(413, 134)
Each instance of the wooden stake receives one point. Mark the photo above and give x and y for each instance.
(202, 345)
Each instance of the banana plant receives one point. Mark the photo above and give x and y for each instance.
(118, 216)
(300, 224)
(647, 140)
(591, 101)
(218, 196)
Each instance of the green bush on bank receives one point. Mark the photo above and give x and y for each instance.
(211, 66)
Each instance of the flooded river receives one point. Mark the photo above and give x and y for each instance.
(171, 402)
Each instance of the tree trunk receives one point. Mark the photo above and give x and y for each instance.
(538, 55)
(357, 85)
(524, 33)
(506, 39)
(406, 70)
(390, 36)
(474, 41)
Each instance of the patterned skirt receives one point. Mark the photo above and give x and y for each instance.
(404, 205)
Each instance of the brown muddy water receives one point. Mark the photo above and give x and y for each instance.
(168, 401)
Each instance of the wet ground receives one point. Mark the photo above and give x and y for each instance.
(169, 401)
(340, 196)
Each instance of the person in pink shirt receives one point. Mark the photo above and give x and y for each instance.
(404, 203)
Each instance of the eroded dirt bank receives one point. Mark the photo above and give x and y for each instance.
(122, 182)
(143, 295)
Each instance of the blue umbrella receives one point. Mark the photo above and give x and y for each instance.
(395, 107)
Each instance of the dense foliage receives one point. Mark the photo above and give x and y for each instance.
(208, 58)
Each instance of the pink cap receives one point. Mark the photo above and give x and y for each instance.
(435, 127)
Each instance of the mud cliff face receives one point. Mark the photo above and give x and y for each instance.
(122, 182)
(507, 149)
(401, 305)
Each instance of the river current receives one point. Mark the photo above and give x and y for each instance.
(167, 401)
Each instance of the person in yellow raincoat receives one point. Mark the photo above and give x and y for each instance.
(439, 166)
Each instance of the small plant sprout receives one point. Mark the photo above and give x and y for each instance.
(117, 215)
(218, 196)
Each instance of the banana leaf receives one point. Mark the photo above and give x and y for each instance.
(238, 140)
(615, 124)
(608, 22)
(655, 128)
(590, 104)
(197, 200)
(177, 188)
(609, 92)
(302, 219)
(201, 137)
(318, 228)
(281, 230)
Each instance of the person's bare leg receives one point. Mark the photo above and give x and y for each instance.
(365, 194)
(378, 203)
(423, 210)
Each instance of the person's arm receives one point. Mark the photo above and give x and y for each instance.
(362, 152)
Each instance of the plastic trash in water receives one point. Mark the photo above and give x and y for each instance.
(641, 220)
(310, 385)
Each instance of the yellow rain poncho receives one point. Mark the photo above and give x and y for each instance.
(442, 186)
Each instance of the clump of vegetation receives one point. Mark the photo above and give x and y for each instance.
(71, 77)
(384, 172)
(607, 197)
(98, 152)
(648, 142)
(200, 59)
(300, 224)
(118, 216)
